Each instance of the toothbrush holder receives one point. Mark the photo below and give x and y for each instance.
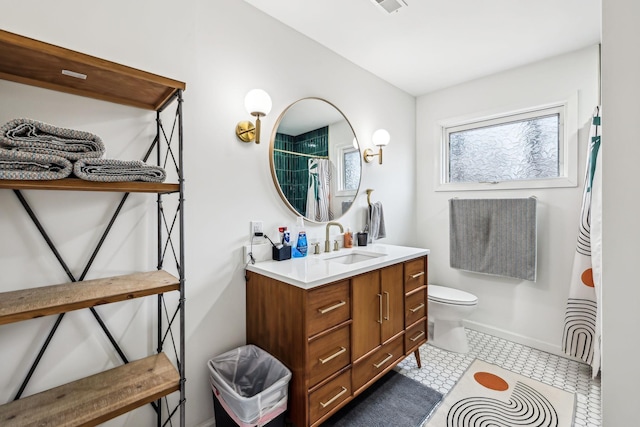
(281, 254)
(362, 239)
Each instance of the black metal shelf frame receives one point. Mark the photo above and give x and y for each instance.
(166, 230)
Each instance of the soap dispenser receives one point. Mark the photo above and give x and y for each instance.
(348, 238)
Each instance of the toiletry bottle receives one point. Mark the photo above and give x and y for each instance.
(302, 246)
(300, 249)
(348, 238)
(285, 238)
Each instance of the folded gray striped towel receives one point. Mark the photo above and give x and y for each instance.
(111, 170)
(33, 166)
(37, 137)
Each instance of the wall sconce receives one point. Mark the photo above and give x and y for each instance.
(380, 138)
(258, 104)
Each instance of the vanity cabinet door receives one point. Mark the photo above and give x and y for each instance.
(378, 308)
(367, 313)
(391, 285)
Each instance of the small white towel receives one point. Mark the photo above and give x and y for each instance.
(377, 229)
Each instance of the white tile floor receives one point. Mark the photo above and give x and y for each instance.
(441, 370)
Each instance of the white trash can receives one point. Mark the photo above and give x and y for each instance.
(251, 385)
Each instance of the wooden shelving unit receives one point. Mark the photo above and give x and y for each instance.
(30, 303)
(75, 184)
(97, 398)
(36, 63)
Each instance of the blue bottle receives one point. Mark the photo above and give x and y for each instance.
(301, 246)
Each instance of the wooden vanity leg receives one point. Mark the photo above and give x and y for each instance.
(417, 354)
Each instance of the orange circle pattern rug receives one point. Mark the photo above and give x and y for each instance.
(488, 395)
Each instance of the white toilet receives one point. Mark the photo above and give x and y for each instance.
(447, 308)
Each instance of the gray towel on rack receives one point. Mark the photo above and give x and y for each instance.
(32, 166)
(377, 229)
(37, 137)
(494, 236)
(111, 170)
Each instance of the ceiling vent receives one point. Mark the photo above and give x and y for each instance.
(391, 6)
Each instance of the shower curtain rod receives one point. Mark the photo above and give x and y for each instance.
(300, 154)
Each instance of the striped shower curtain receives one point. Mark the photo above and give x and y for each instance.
(582, 328)
(318, 191)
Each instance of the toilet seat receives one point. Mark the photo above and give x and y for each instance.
(451, 296)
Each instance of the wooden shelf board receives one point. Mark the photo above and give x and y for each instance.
(76, 184)
(30, 303)
(36, 63)
(95, 399)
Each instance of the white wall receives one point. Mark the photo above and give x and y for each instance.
(620, 154)
(221, 49)
(528, 312)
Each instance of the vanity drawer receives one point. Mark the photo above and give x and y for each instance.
(373, 366)
(415, 336)
(328, 306)
(328, 354)
(415, 307)
(329, 396)
(415, 274)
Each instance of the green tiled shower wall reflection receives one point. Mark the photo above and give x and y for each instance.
(292, 170)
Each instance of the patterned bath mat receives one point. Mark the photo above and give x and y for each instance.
(488, 395)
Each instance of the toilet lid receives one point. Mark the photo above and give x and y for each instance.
(450, 295)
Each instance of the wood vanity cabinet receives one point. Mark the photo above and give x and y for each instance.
(338, 338)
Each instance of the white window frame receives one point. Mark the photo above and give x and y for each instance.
(568, 147)
(341, 152)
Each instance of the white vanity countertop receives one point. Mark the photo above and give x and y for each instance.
(316, 270)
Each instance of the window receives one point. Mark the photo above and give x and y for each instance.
(348, 171)
(525, 149)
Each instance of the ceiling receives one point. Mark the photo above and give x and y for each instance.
(432, 44)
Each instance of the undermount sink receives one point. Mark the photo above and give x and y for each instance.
(354, 257)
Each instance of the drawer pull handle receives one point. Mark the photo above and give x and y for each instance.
(380, 302)
(413, 310)
(386, 359)
(387, 316)
(333, 307)
(415, 276)
(333, 399)
(417, 337)
(333, 356)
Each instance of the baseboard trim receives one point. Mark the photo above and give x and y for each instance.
(520, 339)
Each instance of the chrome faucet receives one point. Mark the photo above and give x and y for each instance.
(327, 243)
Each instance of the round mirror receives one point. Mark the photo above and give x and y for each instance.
(315, 160)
